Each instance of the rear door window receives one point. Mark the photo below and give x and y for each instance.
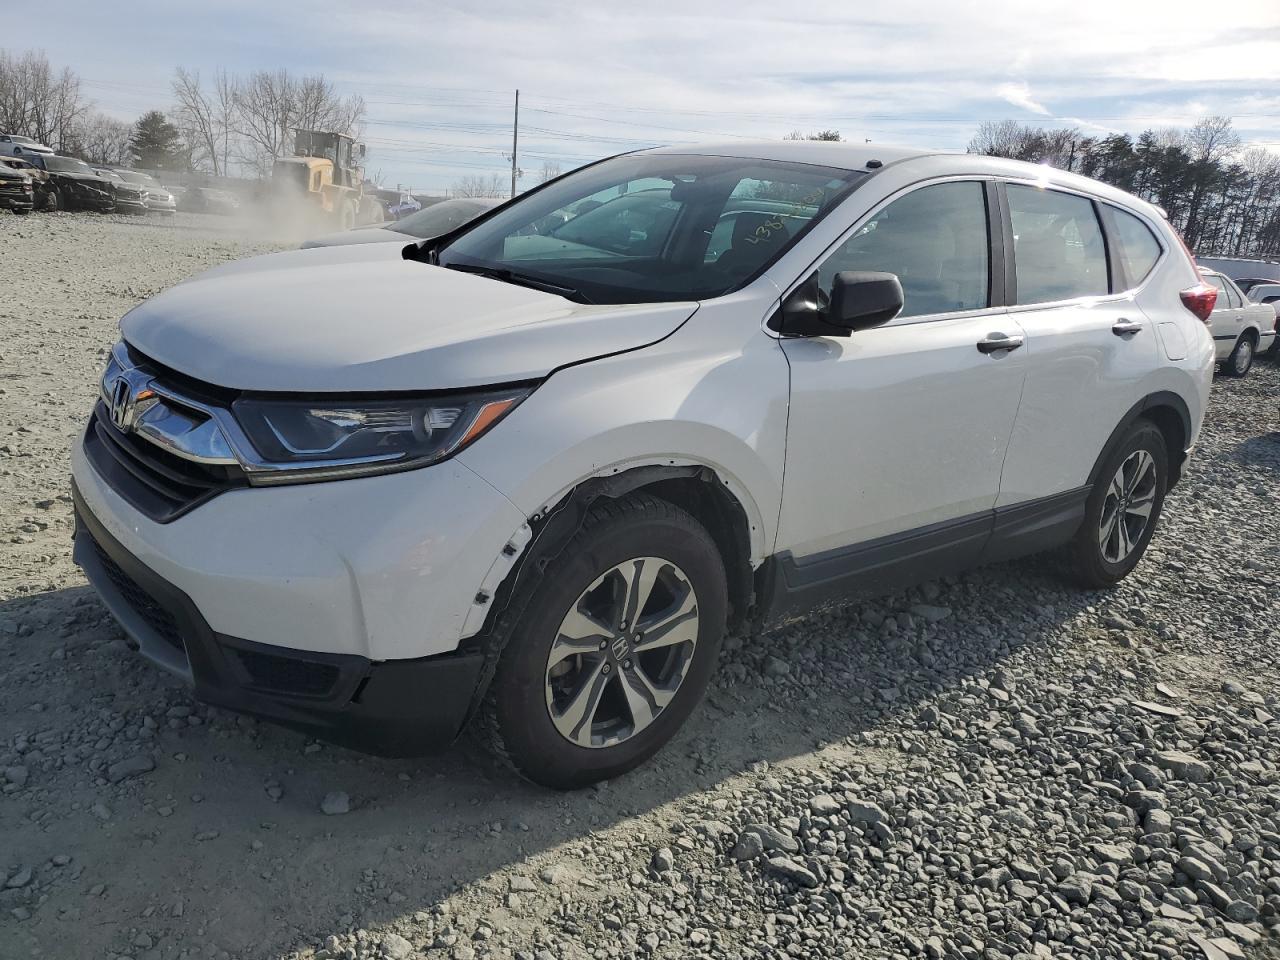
(1136, 244)
(1057, 244)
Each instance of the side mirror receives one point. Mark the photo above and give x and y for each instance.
(859, 299)
(864, 298)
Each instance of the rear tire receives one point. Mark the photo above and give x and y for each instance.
(54, 202)
(1241, 359)
(568, 707)
(1123, 508)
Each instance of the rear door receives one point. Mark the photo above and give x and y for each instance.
(1089, 346)
(896, 433)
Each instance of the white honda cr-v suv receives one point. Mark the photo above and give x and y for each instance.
(531, 471)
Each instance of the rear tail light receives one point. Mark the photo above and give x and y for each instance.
(1200, 300)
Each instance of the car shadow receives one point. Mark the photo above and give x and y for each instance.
(1259, 451)
(204, 829)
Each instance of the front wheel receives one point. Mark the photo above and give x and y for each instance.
(610, 648)
(1241, 359)
(1123, 508)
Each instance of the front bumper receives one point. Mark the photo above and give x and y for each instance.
(386, 567)
(397, 708)
(18, 201)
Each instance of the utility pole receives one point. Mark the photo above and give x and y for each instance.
(515, 143)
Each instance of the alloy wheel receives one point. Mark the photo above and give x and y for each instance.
(1126, 511)
(621, 652)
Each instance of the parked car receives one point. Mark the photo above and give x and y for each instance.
(42, 192)
(73, 184)
(1241, 329)
(1268, 292)
(535, 479)
(404, 206)
(16, 192)
(130, 197)
(158, 197)
(1248, 283)
(12, 145)
(206, 200)
(434, 221)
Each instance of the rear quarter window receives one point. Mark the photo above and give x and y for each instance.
(1136, 245)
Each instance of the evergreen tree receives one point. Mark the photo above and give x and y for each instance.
(156, 143)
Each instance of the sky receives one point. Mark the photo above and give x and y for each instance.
(601, 78)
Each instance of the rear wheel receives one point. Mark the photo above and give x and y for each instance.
(1241, 359)
(1123, 508)
(610, 649)
(53, 202)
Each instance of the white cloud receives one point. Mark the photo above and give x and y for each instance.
(1019, 94)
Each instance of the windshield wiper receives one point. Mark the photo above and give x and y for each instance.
(521, 280)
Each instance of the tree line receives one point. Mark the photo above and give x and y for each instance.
(232, 123)
(1224, 198)
(49, 105)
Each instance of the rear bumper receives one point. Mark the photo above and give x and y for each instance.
(391, 708)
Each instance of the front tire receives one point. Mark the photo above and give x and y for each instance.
(1123, 508)
(610, 648)
(1241, 359)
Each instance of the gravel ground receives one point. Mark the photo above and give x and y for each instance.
(991, 766)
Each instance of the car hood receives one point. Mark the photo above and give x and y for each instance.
(358, 235)
(353, 318)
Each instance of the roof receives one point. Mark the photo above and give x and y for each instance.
(849, 156)
(929, 163)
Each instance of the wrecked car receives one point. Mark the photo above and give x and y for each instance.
(16, 191)
(74, 186)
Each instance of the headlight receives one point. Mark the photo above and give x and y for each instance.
(344, 437)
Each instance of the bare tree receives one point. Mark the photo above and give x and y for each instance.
(550, 170)
(832, 135)
(103, 140)
(479, 185)
(38, 101)
(195, 115)
(269, 105)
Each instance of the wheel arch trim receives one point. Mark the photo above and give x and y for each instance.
(1160, 400)
(554, 524)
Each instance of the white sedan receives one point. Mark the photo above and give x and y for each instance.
(1241, 329)
(12, 145)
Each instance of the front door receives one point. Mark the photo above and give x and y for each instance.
(897, 434)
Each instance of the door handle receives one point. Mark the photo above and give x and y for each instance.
(1122, 328)
(995, 342)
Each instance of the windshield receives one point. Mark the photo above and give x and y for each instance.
(67, 165)
(649, 228)
(440, 218)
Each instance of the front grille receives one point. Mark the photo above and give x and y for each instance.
(287, 674)
(142, 603)
(151, 479)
